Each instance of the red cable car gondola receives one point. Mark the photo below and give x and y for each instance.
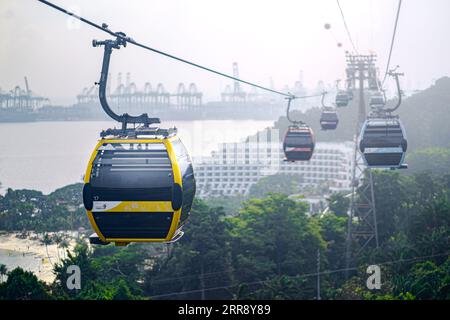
(298, 142)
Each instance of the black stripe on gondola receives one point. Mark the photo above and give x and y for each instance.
(298, 155)
(381, 144)
(382, 131)
(383, 159)
(382, 127)
(129, 225)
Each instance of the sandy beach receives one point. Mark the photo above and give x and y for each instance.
(33, 252)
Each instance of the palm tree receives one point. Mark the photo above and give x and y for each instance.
(47, 240)
(57, 239)
(3, 271)
(64, 245)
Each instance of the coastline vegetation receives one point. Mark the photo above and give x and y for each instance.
(264, 249)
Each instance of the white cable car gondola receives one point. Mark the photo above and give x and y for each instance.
(383, 140)
(383, 143)
(328, 118)
(376, 100)
(342, 99)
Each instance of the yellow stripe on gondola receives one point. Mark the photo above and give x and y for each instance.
(142, 206)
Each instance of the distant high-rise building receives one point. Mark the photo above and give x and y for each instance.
(235, 167)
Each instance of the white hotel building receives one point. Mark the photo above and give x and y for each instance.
(235, 167)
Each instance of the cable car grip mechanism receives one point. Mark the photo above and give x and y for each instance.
(124, 119)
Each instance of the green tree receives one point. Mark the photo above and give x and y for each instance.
(426, 280)
(280, 288)
(47, 240)
(435, 160)
(339, 203)
(277, 183)
(64, 245)
(230, 204)
(57, 239)
(80, 257)
(333, 230)
(110, 273)
(23, 285)
(123, 291)
(273, 237)
(3, 272)
(22, 210)
(200, 260)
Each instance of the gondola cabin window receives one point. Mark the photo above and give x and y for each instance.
(133, 167)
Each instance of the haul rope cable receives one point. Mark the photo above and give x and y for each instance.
(123, 37)
(392, 42)
(346, 27)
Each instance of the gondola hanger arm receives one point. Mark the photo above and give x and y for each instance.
(322, 101)
(396, 75)
(292, 97)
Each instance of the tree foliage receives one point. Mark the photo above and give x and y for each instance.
(31, 210)
(435, 160)
(269, 248)
(23, 285)
(112, 276)
(277, 183)
(201, 259)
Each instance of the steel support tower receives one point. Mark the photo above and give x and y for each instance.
(362, 222)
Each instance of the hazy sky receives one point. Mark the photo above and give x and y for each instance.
(267, 38)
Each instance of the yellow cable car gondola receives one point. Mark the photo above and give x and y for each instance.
(139, 190)
(139, 182)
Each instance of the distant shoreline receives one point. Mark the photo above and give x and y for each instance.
(262, 117)
(3, 190)
(32, 246)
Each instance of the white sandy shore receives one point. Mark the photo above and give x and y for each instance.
(44, 261)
